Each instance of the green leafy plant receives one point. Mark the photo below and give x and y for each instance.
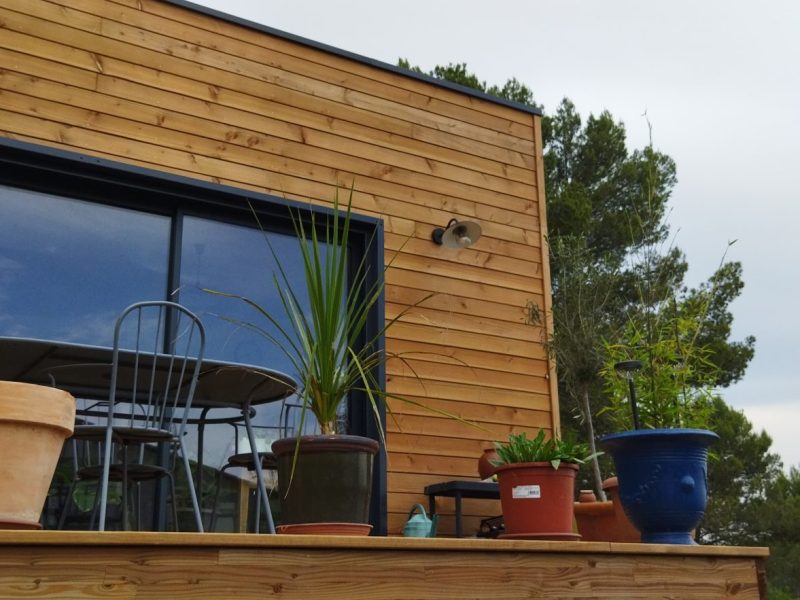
(675, 386)
(521, 449)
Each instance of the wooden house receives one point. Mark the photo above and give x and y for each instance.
(180, 102)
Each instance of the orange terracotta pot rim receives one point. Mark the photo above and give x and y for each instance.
(38, 405)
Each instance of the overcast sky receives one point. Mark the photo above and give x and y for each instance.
(720, 82)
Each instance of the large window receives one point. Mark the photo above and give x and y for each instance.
(80, 239)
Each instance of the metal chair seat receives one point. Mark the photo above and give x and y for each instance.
(245, 461)
(136, 473)
(123, 435)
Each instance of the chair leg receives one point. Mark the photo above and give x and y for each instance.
(124, 488)
(67, 504)
(174, 500)
(190, 484)
(220, 474)
(104, 480)
(262, 487)
(95, 506)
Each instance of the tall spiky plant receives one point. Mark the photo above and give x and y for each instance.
(325, 345)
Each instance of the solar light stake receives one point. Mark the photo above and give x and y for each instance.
(627, 367)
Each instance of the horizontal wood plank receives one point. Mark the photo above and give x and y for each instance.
(475, 358)
(421, 94)
(250, 567)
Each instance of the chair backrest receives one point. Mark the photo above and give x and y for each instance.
(158, 351)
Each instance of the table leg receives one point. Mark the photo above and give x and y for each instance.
(259, 471)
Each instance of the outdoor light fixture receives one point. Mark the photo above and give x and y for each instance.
(626, 368)
(457, 234)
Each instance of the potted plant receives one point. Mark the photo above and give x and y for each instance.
(661, 460)
(34, 421)
(325, 480)
(537, 485)
(604, 520)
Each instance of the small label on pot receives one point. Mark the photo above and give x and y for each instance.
(526, 491)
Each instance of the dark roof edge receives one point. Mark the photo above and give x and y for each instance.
(352, 56)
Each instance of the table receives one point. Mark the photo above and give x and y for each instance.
(85, 372)
(458, 489)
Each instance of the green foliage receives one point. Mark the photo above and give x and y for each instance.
(779, 520)
(739, 477)
(597, 190)
(521, 449)
(731, 358)
(674, 387)
(323, 346)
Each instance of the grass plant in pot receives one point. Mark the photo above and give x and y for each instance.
(661, 460)
(537, 485)
(325, 480)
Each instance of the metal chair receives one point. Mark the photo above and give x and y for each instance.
(157, 355)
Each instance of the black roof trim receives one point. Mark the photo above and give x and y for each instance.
(352, 56)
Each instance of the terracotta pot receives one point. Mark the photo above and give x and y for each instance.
(537, 500)
(34, 421)
(332, 479)
(485, 467)
(605, 521)
(325, 529)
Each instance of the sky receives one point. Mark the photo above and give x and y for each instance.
(718, 80)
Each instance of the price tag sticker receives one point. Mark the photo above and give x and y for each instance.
(526, 491)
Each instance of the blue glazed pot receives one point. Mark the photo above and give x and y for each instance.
(662, 480)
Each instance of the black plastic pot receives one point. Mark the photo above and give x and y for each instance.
(332, 479)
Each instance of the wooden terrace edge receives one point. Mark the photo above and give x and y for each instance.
(237, 540)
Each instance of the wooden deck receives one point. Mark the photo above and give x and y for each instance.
(48, 564)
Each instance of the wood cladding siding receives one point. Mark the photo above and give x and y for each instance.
(205, 566)
(157, 85)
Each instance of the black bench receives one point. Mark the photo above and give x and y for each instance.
(461, 489)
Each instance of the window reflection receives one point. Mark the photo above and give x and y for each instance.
(236, 259)
(68, 267)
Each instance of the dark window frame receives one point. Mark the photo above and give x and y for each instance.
(63, 173)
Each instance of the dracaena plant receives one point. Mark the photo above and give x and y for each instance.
(324, 343)
(521, 449)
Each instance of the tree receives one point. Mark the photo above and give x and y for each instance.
(584, 302)
(779, 519)
(740, 473)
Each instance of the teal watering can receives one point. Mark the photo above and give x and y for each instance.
(420, 525)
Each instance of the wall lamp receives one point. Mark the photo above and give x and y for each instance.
(457, 234)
